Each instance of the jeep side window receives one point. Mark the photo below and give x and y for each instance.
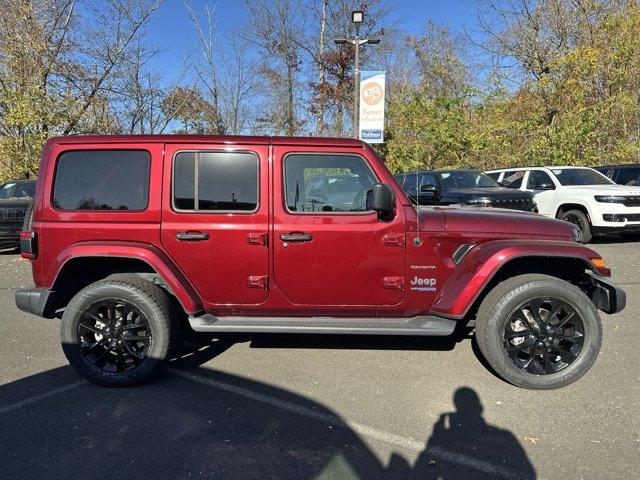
(340, 183)
(102, 180)
(410, 183)
(628, 176)
(513, 179)
(537, 178)
(206, 181)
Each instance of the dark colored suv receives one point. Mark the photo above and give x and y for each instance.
(622, 174)
(462, 187)
(15, 198)
(137, 237)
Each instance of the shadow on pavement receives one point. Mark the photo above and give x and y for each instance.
(224, 426)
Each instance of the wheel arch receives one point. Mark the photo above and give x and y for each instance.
(565, 207)
(80, 265)
(489, 264)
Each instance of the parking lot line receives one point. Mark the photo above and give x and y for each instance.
(364, 430)
(41, 396)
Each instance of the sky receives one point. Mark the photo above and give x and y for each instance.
(171, 29)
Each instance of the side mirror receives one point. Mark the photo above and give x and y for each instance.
(382, 198)
(544, 186)
(428, 188)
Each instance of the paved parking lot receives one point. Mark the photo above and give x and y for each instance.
(309, 407)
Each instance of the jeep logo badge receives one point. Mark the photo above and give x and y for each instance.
(423, 284)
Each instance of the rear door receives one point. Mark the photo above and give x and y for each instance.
(215, 221)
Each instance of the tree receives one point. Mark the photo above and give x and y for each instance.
(57, 63)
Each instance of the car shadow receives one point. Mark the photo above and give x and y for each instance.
(612, 239)
(196, 422)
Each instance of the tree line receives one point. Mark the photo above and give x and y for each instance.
(529, 83)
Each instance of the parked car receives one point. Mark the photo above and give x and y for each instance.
(622, 174)
(15, 198)
(133, 236)
(462, 187)
(579, 195)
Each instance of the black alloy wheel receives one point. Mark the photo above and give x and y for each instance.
(538, 331)
(117, 331)
(543, 335)
(114, 335)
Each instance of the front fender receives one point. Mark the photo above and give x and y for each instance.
(483, 262)
(149, 254)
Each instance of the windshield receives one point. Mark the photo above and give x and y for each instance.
(580, 176)
(466, 179)
(21, 189)
(6, 189)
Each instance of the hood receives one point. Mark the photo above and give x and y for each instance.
(499, 223)
(15, 202)
(606, 189)
(488, 192)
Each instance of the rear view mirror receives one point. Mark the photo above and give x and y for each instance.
(382, 198)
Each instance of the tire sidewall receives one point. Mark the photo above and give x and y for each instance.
(585, 227)
(503, 363)
(95, 293)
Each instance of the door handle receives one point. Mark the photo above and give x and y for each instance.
(192, 236)
(296, 237)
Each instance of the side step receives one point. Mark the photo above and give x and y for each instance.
(428, 325)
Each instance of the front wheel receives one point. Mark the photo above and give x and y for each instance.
(116, 331)
(580, 220)
(538, 331)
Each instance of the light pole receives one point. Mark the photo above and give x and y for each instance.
(357, 18)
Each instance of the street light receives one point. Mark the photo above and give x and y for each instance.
(357, 18)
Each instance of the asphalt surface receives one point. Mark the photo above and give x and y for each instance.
(307, 407)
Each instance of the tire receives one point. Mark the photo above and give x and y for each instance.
(148, 320)
(504, 302)
(580, 220)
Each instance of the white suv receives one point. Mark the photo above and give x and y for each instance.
(580, 195)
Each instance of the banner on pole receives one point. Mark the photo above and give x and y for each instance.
(371, 124)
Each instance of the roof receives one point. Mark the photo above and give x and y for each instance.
(219, 139)
(539, 167)
(620, 165)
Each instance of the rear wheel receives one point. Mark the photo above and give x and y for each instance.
(580, 220)
(538, 331)
(116, 331)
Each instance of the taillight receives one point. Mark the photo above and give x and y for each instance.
(28, 245)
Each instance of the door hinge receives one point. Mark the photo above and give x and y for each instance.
(394, 239)
(257, 239)
(258, 281)
(393, 283)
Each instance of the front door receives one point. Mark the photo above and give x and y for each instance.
(330, 249)
(544, 191)
(215, 220)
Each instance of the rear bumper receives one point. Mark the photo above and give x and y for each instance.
(607, 296)
(33, 300)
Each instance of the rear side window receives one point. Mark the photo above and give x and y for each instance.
(215, 181)
(102, 180)
(513, 179)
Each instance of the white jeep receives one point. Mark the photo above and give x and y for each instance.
(580, 195)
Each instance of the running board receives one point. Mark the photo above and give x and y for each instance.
(428, 325)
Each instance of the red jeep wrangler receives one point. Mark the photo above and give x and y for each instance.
(292, 235)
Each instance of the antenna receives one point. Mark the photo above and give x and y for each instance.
(417, 241)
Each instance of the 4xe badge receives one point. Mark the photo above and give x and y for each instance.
(423, 284)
